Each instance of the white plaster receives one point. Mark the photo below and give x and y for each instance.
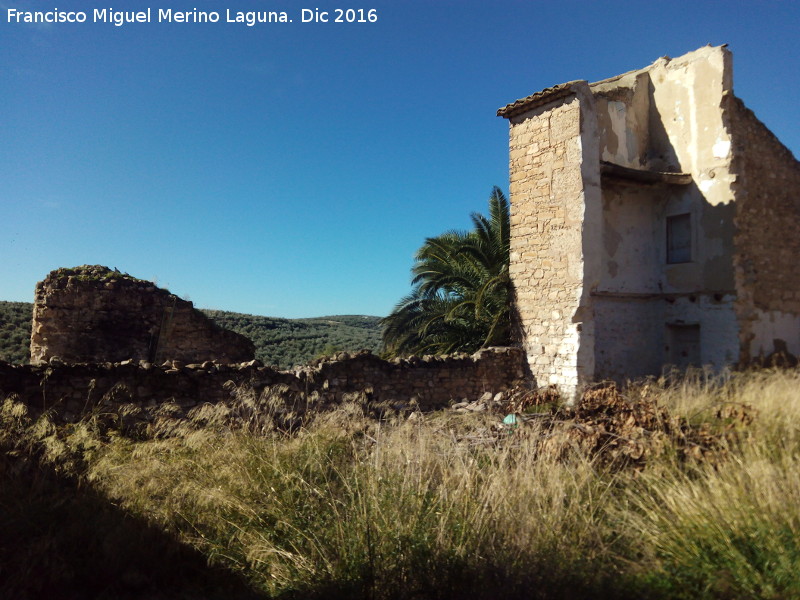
(706, 185)
(769, 326)
(692, 146)
(631, 244)
(722, 148)
(617, 115)
(630, 338)
(719, 327)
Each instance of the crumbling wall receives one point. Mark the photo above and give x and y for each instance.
(688, 258)
(70, 391)
(767, 243)
(688, 94)
(616, 297)
(686, 132)
(630, 336)
(94, 314)
(623, 112)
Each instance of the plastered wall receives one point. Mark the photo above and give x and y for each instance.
(666, 118)
(671, 141)
(623, 110)
(687, 97)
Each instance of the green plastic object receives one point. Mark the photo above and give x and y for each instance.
(510, 419)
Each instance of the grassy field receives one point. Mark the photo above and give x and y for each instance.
(681, 490)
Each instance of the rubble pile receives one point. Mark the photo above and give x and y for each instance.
(614, 428)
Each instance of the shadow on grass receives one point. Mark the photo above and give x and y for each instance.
(65, 541)
(60, 540)
(489, 583)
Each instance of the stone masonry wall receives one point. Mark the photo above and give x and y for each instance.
(547, 214)
(94, 314)
(767, 193)
(428, 383)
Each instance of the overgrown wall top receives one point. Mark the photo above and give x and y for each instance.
(426, 383)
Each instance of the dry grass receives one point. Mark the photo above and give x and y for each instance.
(449, 505)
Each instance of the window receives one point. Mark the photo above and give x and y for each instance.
(679, 239)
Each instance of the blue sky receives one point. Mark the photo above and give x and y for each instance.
(292, 169)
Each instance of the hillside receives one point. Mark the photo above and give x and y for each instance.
(279, 342)
(288, 342)
(15, 331)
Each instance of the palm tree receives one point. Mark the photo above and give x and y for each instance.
(460, 296)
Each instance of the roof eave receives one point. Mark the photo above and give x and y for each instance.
(540, 98)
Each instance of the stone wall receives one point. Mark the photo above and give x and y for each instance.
(767, 243)
(426, 383)
(94, 314)
(551, 196)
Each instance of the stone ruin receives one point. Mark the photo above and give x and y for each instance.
(70, 391)
(654, 224)
(105, 341)
(92, 314)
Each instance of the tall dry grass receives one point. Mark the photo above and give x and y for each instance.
(449, 505)
(728, 528)
(426, 507)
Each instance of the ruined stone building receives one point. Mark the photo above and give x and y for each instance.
(93, 314)
(655, 221)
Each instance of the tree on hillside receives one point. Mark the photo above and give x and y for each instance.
(460, 296)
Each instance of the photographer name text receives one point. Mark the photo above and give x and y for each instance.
(119, 18)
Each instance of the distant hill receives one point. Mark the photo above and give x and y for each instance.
(15, 331)
(288, 342)
(279, 342)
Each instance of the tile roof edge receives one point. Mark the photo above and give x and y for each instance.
(539, 98)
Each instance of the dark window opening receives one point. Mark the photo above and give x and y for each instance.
(683, 345)
(679, 239)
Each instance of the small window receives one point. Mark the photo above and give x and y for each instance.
(679, 239)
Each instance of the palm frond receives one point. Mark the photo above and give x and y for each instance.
(460, 289)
